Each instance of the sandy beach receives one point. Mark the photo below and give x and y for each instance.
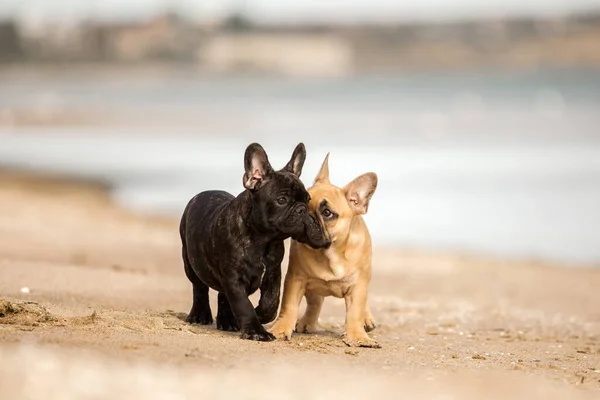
(93, 298)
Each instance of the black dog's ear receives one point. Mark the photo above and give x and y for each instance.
(256, 165)
(297, 161)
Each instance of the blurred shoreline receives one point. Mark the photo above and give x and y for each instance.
(154, 93)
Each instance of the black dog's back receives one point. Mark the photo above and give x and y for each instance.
(201, 209)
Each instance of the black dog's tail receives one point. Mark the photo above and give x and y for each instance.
(182, 225)
(189, 272)
(182, 234)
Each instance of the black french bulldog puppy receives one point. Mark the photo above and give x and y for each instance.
(234, 245)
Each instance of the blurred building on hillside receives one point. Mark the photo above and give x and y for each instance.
(288, 54)
(166, 37)
(10, 41)
(66, 43)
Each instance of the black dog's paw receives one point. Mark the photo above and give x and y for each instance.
(200, 317)
(259, 335)
(228, 323)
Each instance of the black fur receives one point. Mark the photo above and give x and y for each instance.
(234, 245)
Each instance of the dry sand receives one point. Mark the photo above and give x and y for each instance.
(107, 297)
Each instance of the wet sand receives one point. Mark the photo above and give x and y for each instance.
(103, 318)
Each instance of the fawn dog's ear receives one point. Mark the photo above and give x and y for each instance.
(323, 175)
(359, 192)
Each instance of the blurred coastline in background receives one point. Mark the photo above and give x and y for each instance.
(238, 45)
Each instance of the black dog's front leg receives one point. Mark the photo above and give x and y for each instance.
(270, 286)
(269, 295)
(245, 315)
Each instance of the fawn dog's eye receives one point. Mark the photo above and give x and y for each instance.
(326, 212)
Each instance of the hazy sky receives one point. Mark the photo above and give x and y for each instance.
(294, 10)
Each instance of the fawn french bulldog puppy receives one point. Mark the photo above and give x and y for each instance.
(341, 270)
(234, 245)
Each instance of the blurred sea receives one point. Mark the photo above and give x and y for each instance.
(493, 163)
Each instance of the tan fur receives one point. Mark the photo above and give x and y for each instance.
(343, 270)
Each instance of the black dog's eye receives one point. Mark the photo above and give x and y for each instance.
(282, 200)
